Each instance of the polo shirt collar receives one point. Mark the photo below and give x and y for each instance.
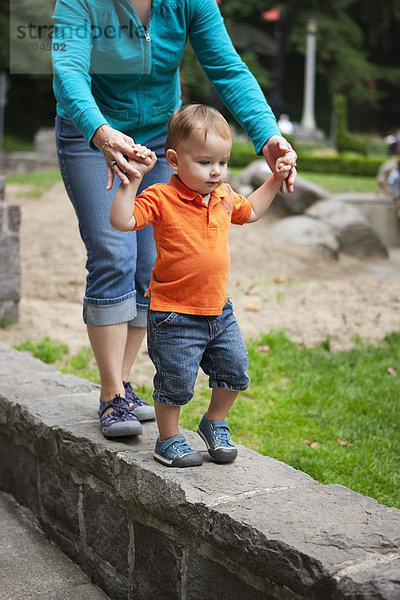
(189, 195)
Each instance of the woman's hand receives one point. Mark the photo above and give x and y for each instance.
(277, 147)
(117, 149)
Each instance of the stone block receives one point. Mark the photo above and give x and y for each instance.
(381, 213)
(14, 363)
(302, 539)
(158, 565)
(45, 145)
(18, 473)
(10, 270)
(14, 217)
(207, 579)
(106, 529)
(378, 578)
(59, 496)
(106, 578)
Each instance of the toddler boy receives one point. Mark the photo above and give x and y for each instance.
(191, 322)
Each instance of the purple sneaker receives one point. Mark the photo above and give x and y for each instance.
(121, 421)
(141, 409)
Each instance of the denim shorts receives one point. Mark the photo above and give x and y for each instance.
(179, 344)
(119, 263)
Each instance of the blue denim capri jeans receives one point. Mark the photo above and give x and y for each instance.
(119, 263)
(179, 344)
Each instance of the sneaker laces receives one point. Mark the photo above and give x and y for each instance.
(222, 433)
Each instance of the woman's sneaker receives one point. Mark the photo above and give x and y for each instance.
(143, 410)
(176, 452)
(120, 421)
(217, 437)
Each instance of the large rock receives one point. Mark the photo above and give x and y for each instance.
(255, 174)
(304, 195)
(351, 228)
(306, 231)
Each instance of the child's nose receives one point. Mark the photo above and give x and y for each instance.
(215, 169)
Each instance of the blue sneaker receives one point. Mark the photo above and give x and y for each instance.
(143, 410)
(176, 452)
(217, 437)
(120, 422)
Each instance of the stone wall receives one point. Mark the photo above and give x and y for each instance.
(43, 158)
(256, 529)
(10, 268)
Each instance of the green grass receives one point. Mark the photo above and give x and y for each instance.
(332, 415)
(342, 183)
(36, 183)
(334, 183)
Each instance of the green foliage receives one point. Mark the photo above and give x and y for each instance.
(345, 141)
(319, 162)
(13, 144)
(48, 350)
(242, 154)
(318, 411)
(82, 364)
(345, 164)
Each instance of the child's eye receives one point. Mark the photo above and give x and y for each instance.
(223, 162)
(204, 162)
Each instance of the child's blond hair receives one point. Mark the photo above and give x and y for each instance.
(197, 118)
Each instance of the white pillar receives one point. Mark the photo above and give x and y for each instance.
(308, 119)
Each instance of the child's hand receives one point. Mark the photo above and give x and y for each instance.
(146, 159)
(284, 165)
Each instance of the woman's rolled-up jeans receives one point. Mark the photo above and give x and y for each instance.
(119, 264)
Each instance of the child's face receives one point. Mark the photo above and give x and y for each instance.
(201, 165)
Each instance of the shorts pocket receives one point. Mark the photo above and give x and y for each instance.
(161, 319)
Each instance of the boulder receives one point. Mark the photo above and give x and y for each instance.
(255, 174)
(306, 231)
(351, 228)
(304, 195)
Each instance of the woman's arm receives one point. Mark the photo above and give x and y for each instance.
(71, 65)
(235, 84)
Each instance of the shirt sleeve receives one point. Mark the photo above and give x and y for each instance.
(235, 84)
(147, 208)
(241, 207)
(71, 66)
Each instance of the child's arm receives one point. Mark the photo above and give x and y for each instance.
(262, 197)
(121, 213)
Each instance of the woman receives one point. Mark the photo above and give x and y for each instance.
(116, 81)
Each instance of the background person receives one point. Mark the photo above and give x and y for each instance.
(116, 81)
(394, 177)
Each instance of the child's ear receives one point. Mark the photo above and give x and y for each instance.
(172, 159)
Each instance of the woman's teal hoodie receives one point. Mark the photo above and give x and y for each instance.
(109, 69)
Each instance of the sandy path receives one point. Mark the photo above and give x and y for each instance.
(312, 298)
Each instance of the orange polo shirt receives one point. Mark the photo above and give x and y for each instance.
(192, 265)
